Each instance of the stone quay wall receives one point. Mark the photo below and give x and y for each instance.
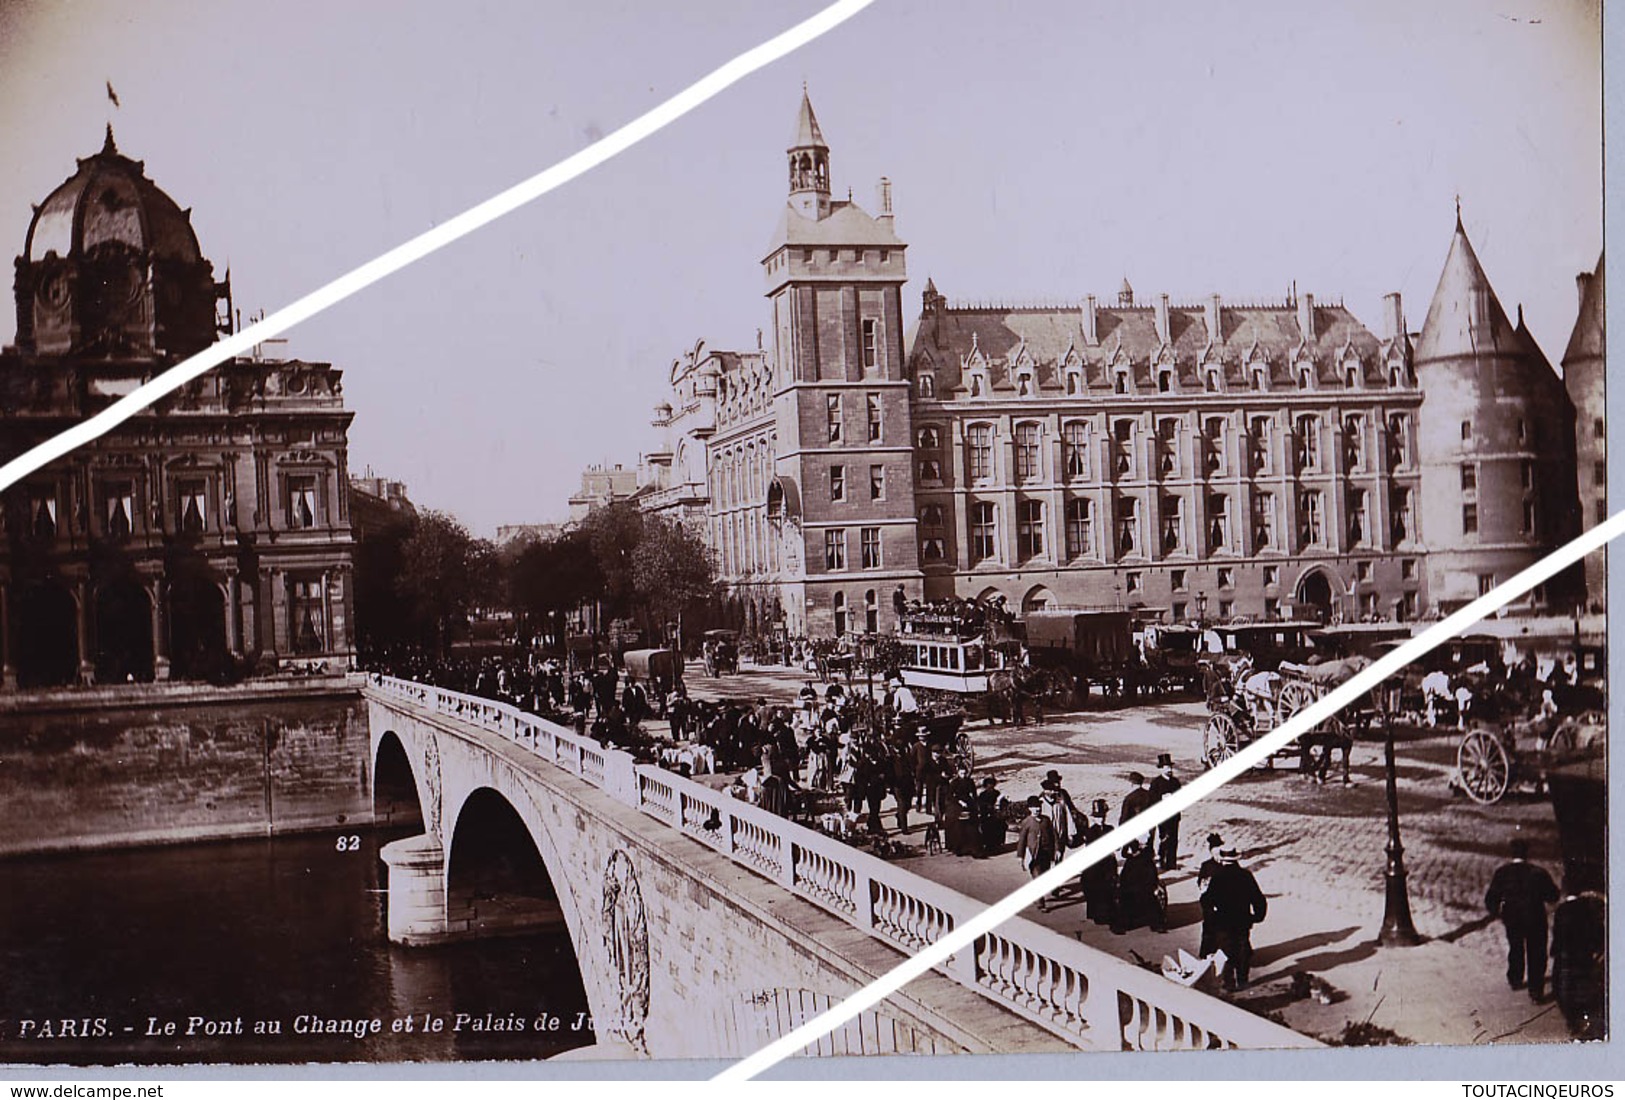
(166, 763)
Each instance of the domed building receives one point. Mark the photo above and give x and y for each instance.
(208, 536)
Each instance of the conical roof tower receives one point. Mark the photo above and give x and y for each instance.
(1583, 377)
(1496, 473)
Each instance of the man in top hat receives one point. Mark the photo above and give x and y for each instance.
(1138, 800)
(1204, 879)
(1237, 904)
(1099, 880)
(1161, 787)
(1052, 780)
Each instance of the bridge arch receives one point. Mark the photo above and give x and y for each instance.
(395, 799)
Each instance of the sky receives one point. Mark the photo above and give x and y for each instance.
(1038, 151)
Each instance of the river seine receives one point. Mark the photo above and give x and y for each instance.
(266, 951)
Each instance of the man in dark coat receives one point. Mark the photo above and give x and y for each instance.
(1237, 904)
(1138, 800)
(1579, 970)
(1035, 843)
(1204, 879)
(1161, 787)
(990, 808)
(1519, 894)
(1099, 881)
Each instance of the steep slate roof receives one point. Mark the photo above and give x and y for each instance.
(846, 226)
(1465, 317)
(1050, 334)
(1586, 341)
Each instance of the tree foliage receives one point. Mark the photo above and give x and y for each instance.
(444, 573)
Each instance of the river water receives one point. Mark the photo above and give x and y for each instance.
(101, 953)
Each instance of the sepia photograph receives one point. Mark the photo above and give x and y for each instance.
(641, 622)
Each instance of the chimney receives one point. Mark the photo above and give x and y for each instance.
(883, 197)
(1393, 317)
(1306, 317)
(1162, 318)
(1582, 282)
(1214, 332)
(1089, 326)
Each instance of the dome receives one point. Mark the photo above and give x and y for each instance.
(110, 200)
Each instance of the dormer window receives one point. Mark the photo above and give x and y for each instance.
(1074, 383)
(1303, 379)
(1120, 381)
(1258, 379)
(1165, 381)
(1351, 378)
(1212, 381)
(927, 385)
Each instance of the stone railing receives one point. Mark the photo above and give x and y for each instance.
(1089, 998)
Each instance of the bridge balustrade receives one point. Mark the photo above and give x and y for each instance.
(1084, 995)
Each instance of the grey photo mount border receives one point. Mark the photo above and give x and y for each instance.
(1544, 1062)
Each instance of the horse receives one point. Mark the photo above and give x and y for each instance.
(1010, 689)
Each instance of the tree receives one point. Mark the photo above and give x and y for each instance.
(614, 532)
(672, 572)
(547, 580)
(440, 575)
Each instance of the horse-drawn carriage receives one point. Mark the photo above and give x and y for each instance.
(1513, 740)
(720, 649)
(659, 669)
(1247, 703)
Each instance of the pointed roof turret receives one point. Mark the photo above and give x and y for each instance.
(1586, 340)
(808, 135)
(1465, 318)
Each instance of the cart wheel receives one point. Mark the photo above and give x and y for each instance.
(1220, 740)
(1565, 741)
(1484, 767)
(1294, 697)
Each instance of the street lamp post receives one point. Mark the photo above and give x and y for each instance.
(1397, 927)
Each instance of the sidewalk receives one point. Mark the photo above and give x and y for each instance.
(1448, 990)
(1317, 854)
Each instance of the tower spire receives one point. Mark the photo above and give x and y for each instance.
(809, 164)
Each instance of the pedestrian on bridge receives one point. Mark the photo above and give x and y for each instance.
(1099, 880)
(1237, 904)
(1165, 784)
(1036, 844)
(1519, 893)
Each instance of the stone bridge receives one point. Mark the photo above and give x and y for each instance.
(705, 927)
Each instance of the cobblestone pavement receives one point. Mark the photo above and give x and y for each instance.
(1318, 852)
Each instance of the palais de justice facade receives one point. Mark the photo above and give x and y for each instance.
(1215, 458)
(206, 537)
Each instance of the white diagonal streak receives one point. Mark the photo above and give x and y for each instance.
(966, 934)
(434, 239)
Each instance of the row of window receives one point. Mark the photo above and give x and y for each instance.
(741, 474)
(1078, 528)
(871, 612)
(835, 416)
(837, 483)
(1122, 380)
(1078, 459)
(868, 548)
(191, 513)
